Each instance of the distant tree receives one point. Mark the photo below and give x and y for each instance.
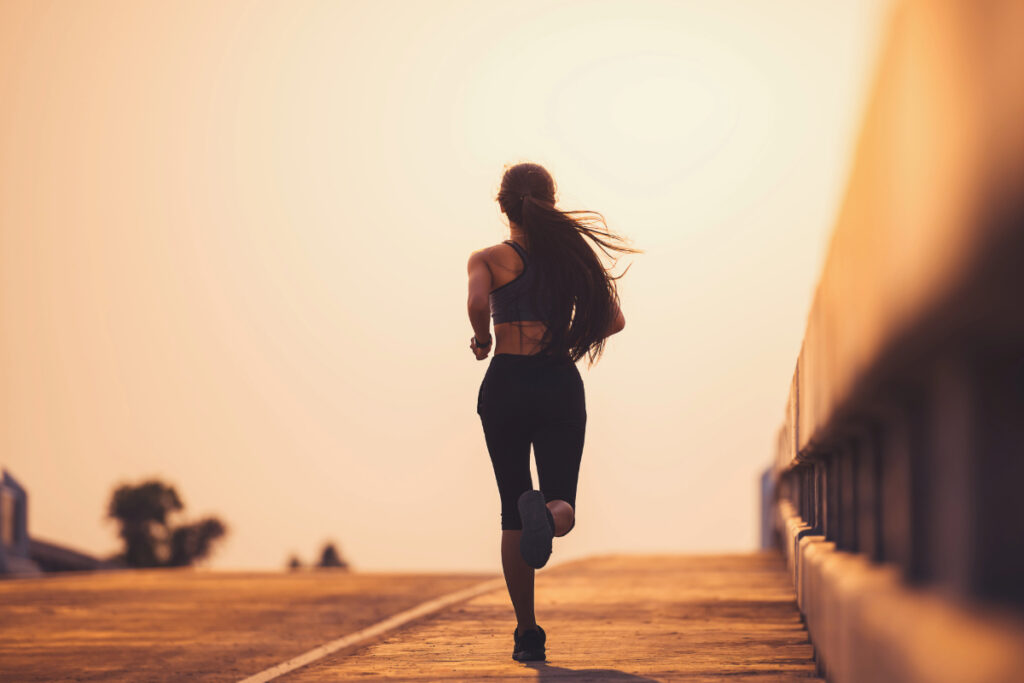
(294, 563)
(329, 557)
(191, 542)
(143, 512)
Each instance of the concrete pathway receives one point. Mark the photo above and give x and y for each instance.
(183, 624)
(619, 618)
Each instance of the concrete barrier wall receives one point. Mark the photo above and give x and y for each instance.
(899, 469)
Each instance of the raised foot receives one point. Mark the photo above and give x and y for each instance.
(535, 543)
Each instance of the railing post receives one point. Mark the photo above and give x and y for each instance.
(869, 494)
(847, 504)
(998, 486)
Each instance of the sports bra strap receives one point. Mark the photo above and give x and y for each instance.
(519, 249)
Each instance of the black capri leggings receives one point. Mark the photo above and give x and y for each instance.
(535, 400)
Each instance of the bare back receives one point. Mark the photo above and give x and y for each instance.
(523, 337)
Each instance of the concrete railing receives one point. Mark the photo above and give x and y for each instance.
(899, 473)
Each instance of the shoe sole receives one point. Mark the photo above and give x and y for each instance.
(531, 656)
(535, 544)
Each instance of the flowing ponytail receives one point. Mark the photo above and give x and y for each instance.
(579, 294)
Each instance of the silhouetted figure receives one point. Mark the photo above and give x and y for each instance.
(553, 303)
(330, 558)
(294, 563)
(143, 512)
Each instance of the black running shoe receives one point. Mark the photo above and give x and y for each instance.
(535, 544)
(529, 646)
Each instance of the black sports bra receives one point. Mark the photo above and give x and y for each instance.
(510, 302)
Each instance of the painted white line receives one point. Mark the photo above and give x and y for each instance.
(377, 629)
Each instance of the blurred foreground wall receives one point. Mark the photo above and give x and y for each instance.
(899, 476)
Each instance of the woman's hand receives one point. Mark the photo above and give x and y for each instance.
(477, 351)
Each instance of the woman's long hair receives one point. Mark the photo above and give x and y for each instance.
(580, 296)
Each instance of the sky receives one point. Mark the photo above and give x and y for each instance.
(233, 245)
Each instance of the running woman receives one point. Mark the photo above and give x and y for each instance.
(552, 302)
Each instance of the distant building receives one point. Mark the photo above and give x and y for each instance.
(14, 542)
(24, 556)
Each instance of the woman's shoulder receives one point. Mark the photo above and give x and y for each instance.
(499, 250)
(501, 259)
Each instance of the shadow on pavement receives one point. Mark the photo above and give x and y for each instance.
(546, 671)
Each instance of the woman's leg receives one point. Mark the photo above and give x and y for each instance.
(519, 579)
(558, 445)
(508, 444)
(559, 449)
(564, 515)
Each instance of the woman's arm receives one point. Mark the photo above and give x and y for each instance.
(479, 290)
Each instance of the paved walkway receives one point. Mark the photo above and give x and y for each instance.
(182, 624)
(620, 618)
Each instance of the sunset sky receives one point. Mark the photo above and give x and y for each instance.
(233, 244)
